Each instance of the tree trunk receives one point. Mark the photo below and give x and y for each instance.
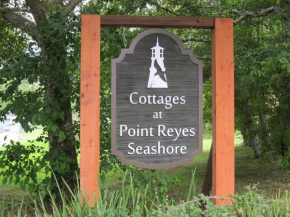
(255, 144)
(243, 131)
(264, 131)
(250, 132)
(253, 140)
(207, 183)
(62, 154)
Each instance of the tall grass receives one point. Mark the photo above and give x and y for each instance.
(132, 201)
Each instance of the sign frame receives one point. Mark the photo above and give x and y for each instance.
(223, 174)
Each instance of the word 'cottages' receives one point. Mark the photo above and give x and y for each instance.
(156, 102)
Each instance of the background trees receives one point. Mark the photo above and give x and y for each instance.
(40, 46)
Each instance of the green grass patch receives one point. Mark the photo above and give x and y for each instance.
(267, 178)
(131, 201)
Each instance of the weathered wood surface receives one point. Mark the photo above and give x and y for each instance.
(157, 22)
(223, 109)
(90, 106)
(184, 79)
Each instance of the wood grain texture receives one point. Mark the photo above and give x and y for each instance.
(90, 106)
(157, 22)
(223, 110)
(130, 74)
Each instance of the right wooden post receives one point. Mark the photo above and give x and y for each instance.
(223, 178)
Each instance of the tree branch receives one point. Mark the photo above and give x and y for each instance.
(70, 6)
(52, 5)
(36, 10)
(196, 40)
(15, 9)
(163, 8)
(244, 14)
(21, 22)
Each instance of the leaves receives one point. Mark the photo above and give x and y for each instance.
(4, 180)
(18, 167)
(61, 135)
(40, 81)
(41, 86)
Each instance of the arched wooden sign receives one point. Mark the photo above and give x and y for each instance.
(156, 102)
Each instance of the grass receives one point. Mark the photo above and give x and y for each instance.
(132, 201)
(269, 177)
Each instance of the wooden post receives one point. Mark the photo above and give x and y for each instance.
(90, 107)
(223, 110)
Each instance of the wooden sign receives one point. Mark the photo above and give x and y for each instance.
(223, 171)
(156, 102)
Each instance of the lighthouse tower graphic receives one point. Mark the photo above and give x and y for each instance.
(157, 78)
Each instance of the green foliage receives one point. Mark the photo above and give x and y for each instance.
(41, 87)
(262, 74)
(20, 165)
(251, 203)
(157, 181)
(39, 81)
(132, 201)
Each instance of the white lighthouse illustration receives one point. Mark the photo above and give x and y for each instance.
(157, 79)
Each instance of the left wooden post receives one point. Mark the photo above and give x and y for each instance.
(90, 107)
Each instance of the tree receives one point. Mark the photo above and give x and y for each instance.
(50, 59)
(261, 42)
(42, 47)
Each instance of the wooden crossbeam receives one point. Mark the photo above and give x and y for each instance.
(157, 22)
